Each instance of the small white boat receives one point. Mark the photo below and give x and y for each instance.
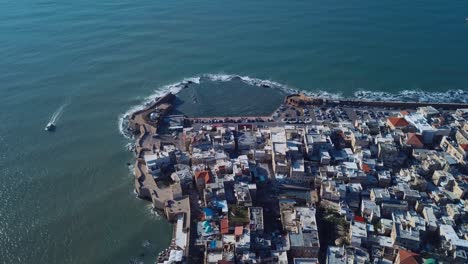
(50, 127)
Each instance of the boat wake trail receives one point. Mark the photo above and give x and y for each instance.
(451, 96)
(57, 114)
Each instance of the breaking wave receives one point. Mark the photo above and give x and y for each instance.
(451, 96)
(174, 88)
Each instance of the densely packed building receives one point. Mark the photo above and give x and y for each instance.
(364, 186)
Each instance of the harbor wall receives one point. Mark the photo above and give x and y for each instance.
(399, 104)
(301, 100)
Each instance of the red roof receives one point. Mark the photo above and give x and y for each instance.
(397, 121)
(239, 230)
(414, 140)
(366, 168)
(407, 257)
(441, 119)
(464, 147)
(203, 175)
(358, 218)
(224, 262)
(224, 226)
(404, 112)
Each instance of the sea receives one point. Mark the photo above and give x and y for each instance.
(67, 196)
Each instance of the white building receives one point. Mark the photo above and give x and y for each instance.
(279, 145)
(155, 162)
(452, 240)
(422, 126)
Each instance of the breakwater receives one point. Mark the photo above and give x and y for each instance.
(393, 104)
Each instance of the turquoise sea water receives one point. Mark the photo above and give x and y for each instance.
(67, 197)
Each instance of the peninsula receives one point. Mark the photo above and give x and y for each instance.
(317, 181)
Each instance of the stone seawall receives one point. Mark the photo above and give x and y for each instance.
(302, 100)
(400, 104)
(140, 117)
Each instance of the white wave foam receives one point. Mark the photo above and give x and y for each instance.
(451, 96)
(220, 77)
(269, 84)
(57, 114)
(455, 96)
(170, 88)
